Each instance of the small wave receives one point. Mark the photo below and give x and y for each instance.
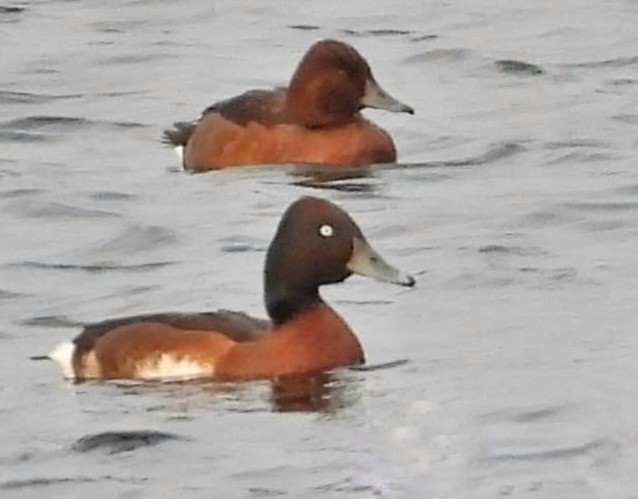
(19, 193)
(304, 27)
(576, 143)
(42, 482)
(9, 295)
(9, 136)
(547, 454)
(135, 239)
(378, 32)
(40, 128)
(112, 196)
(439, 55)
(40, 122)
(94, 268)
(9, 97)
(612, 207)
(616, 62)
(60, 210)
(493, 154)
(114, 442)
(136, 58)
(50, 321)
(629, 118)
(519, 68)
(510, 250)
(11, 9)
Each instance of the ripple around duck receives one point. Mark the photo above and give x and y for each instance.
(492, 155)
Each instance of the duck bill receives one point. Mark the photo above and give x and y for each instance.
(367, 262)
(377, 98)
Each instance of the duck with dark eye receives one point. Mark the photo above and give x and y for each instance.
(316, 243)
(315, 120)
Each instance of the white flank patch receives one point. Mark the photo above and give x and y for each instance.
(179, 150)
(63, 355)
(167, 367)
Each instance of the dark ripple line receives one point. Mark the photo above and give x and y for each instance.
(50, 321)
(136, 58)
(42, 482)
(511, 250)
(574, 143)
(304, 27)
(45, 482)
(378, 32)
(501, 151)
(11, 9)
(112, 196)
(604, 206)
(18, 193)
(11, 97)
(59, 210)
(115, 442)
(41, 122)
(93, 268)
(37, 122)
(560, 453)
(520, 68)
(8, 295)
(615, 62)
(22, 137)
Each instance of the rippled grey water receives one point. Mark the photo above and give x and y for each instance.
(516, 201)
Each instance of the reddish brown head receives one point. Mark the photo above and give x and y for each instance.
(331, 84)
(317, 243)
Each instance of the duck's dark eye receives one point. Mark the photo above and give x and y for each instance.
(326, 230)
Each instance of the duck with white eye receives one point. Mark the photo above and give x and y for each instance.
(326, 230)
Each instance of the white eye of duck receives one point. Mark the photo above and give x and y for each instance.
(326, 230)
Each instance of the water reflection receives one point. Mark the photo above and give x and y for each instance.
(325, 392)
(320, 392)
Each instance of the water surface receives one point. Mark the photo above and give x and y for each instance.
(515, 203)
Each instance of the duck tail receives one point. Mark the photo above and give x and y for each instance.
(178, 135)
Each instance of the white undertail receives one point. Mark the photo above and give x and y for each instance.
(179, 150)
(63, 355)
